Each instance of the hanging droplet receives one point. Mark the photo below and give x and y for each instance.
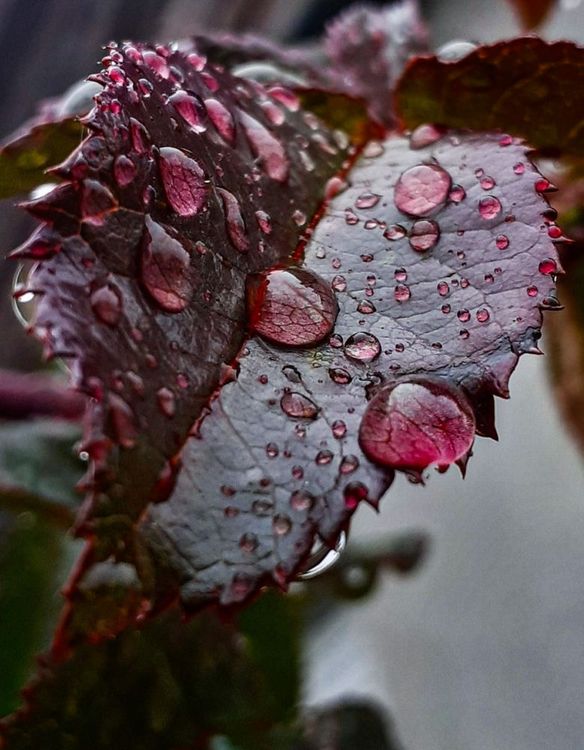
(165, 269)
(502, 242)
(183, 181)
(422, 190)
(298, 406)
(291, 307)
(424, 234)
(362, 347)
(413, 424)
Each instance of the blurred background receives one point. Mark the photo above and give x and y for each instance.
(483, 649)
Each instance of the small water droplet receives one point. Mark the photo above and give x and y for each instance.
(106, 303)
(425, 135)
(340, 376)
(362, 347)
(324, 457)
(463, 315)
(489, 207)
(222, 119)
(349, 464)
(457, 194)
(339, 429)
(455, 50)
(183, 181)
(248, 543)
(299, 218)
(365, 307)
(422, 190)
(443, 289)
(339, 283)
(124, 170)
(424, 235)
(394, 232)
(548, 267)
(351, 217)
(298, 406)
(272, 450)
(281, 525)
(301, 501)
(291, 307)
(402, 293)
(487, 183)
(191, 108)
(165, 269)
(264, 221)
(483, 315)
(463, 333)
(234, 222)
(156, 63)
(166, 401)
(446, 309)
(262, 508)
(519, 168)
(367, 200)
(532, 291)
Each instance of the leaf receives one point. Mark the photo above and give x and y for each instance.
(532, 13)
(220, 456)
(39, 471)
(525, 86)
(187, 682)
(25, 158)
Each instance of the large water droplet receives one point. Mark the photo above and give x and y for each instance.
(183, 180)
(106, 303)
(413, 424)
(266, 147)
(191, 108)
(292, 307)
(165, 269)
(298, 406)
(362, 347)
(422, 190)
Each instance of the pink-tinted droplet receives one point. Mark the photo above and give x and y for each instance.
(502, 242)
(281, 525)
(548, 266)
(365, 307)
(457, 194)
(532, 291)
(285, 97)
(422, 190)
(291, 307)
(400, 274)
(323, 457)
(106, 303)
(339, 429)
(183, 181)
(443, 288)
(402, 293)
(156, 63)
(394, 232)
(234, 222)
(367, 200)
(222, 119)
(425, 135)
(463, 315)
(140, 136)
(191, 108)
(483, 315)
(354, 493)
(264, 222)
(165, 269)
(124, 170)
(349, 464)
(351, 217)
(489, 207)
(412, 424)
(340, 376)
(166, 401)
(362, 347)
(519, 168)
(266, 147)
(487, 183)
(298, 406)
(424, 235)
(339, 283)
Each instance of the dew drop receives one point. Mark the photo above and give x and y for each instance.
(339, 429)
(502, 242)
(298, 406)
(532, 291)
(156, 63)
(340, 376)
(297, 472)
(487, 183)
(222, 119)
(272, 450)
(400, 274)
(166, 401)
(367, 200)
(281, 525)
(351, 217)
(362, 347)
(234, 221)
(394, 232)
(124, 170)
(264, 222)
(248, 543)
(402, 293)
(483, 315)
(425, 135)
(262, 508)
(140, 137)
(489, 207)
(323, 457)
(519, 168)
(463, 315)
(422, 190)
(443, 288)
(446, 309)
(349, 464)
(457, 194)
(413, 424)
(548, 267)
(291, 307)
(365, 307)
(424, 235)
(339, 283)
(265, 147)
(183, 180)
(191, 108)
(106, 303)
(165, 269)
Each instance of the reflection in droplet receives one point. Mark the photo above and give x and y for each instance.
(165, 269)
(362, 347)
(183, 181)
(422, 190)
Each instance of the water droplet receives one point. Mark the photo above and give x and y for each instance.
(165, 269)
(197, 61)
(354, 493)
(394, 232)
(301, 501)
(548, 267)
(339, 429)
(262, 508)
(446, 309)
(532, 291)
(183, 180)
(166, 401)
(483, 315)
(334, 186)
(487, 183)
(373, 149)
(248, 543)
(362, 347)
(402, 293)
(489, 278)
(412, 424)
(340, 376)
(502, 242)
(425, 135)
(323, 457)
(298, 406)
(234, 221)
(422, 190)
(292, 307)
(339, 283)
(424, 234)
(222, 119)
(349, 464)
(140, 137)
(400, 274)
(443, 289)
(122, 421)
(463, 315)
(351, 217)
(285, 97)
(489, 207)
(297, 472)
(272, 450)
(191, 108)
(544, 186)
(124, 170)
(299, 218)
(336, 341)
(455, 50)
(367, 200)
(264, 222)
(463, 333)
(106, 303)
(156, 63)
(265, 147)
(291, 374)
(457, 194)
(365, 307)
(281, 525)
(519, 168)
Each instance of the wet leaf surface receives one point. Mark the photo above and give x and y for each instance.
(526, 87)
(261, 362)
